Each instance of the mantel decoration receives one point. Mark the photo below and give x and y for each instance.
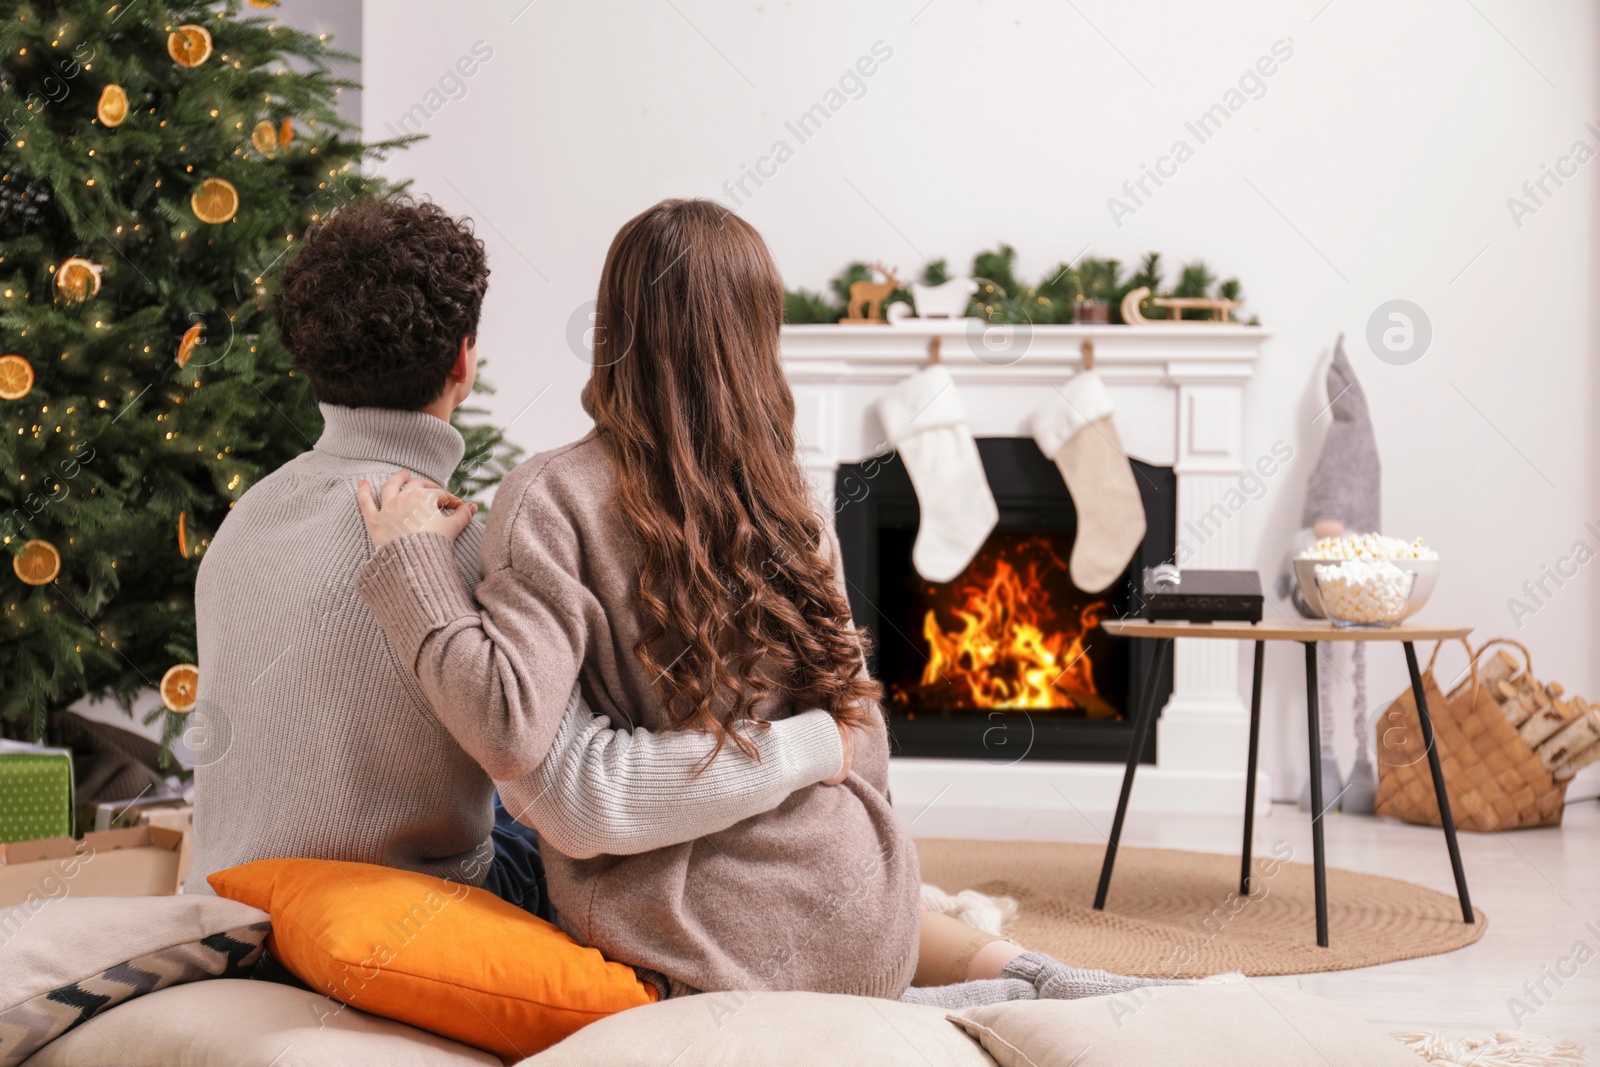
(1086, 291)
(923, 417)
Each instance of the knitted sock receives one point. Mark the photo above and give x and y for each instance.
(1361, 791)
(1054, 980)
(971, 994)
(1332, 782)
(1358, 675)
(1325, 717)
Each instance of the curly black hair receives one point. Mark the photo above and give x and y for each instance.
(374, 307)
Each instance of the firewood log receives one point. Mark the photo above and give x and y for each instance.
(1500, 667)
(1532, 693)
(1541, 724)
(1526, 683)
(1512, 703)
(1564, 771)
(1572, 739)
(1492, 670)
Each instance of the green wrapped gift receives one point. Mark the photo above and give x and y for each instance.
(35, 792)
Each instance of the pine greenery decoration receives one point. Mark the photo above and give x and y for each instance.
(143, 388)
(803, 305)
(1004, 298)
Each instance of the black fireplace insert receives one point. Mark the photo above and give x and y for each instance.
(1007, 661)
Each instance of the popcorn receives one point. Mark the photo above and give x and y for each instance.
(1362, 590)
(1368, 546)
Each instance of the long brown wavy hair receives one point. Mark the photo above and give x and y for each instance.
(740, 597)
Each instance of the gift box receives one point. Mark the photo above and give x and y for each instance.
(35, 792)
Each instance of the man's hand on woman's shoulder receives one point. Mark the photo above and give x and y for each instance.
(409, 504)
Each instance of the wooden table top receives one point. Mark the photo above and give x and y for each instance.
(1287, 630)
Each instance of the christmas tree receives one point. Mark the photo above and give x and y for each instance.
(160, 163)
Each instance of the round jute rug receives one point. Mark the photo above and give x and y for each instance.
(1179, 914)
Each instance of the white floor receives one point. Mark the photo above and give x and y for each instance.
(1539, 888)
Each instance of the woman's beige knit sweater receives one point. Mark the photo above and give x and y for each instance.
(819, 893)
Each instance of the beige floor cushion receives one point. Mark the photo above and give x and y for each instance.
(1190, 1026)
(239, 1023)
(63, 961)
(768, 1030)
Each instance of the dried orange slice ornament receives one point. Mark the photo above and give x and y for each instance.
(285, 134)
(189, 45)
(183, 534)
(38, 563)
(191, 338)
(215, 201)
(263, 3)
(179, 688)
(78, 279)
(16, 377)
(113, 106)
(264, 137)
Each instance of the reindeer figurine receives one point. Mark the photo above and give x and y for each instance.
(868, 297)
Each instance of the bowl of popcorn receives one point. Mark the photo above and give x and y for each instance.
(1367, 580)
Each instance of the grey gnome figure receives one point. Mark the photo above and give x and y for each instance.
(1342, 497)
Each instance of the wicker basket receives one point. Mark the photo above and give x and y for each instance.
(1493, 779)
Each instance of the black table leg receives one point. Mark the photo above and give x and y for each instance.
(1141, 727)
(1313, 721)
(1445, 818)
(1250, 772)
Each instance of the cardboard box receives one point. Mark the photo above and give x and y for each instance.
(120, 814)
(137, 862)
(181, 820)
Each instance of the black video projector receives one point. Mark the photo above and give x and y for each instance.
(1201, 596)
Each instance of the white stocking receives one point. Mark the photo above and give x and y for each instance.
(924, 419)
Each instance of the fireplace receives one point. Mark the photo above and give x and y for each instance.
(1006, 662)
(1183, 408)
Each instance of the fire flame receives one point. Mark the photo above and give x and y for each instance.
(1006, 650)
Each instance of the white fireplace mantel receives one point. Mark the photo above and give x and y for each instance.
(1180, 395)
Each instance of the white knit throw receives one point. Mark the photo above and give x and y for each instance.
(986, 913)
(1507, 1048)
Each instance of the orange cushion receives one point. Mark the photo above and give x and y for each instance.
(444, 957)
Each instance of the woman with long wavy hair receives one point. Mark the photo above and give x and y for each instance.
(676, 563)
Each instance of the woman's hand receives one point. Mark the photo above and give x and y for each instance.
(847, 737)
(411, 504)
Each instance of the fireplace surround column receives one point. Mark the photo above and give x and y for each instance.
(1205, 726)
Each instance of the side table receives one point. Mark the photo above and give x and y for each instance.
(1308, 632)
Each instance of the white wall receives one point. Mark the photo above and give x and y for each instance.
(1376, 164)
(340, 21)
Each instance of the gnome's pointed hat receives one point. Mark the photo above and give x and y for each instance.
(1347, 480)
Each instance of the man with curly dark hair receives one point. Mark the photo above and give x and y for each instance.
(381, 307)
(315, 740)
